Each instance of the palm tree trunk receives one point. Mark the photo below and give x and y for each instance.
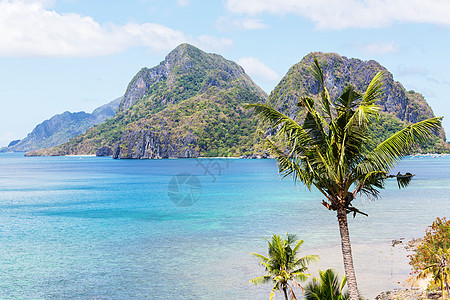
(347, 254)
(446, 284)
(285, 293)
(292, 293)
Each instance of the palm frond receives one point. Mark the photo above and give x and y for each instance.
(367, 106)
(374, 91)
(260, 256)
(402, 180)
(389, 152)
(291, 166)
(369, 183)
(297, 246)
(300, 275)
(294, 133)
(322, 89)
(271, 115)
(261, 279)
(343, 282)
(314, 124)
(306, 260)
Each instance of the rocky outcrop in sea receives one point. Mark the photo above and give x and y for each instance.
(146, 144)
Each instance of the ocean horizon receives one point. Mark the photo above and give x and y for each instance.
(88, 227)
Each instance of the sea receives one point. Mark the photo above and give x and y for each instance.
(81, 227)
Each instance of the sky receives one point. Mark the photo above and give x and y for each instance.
(75, 55)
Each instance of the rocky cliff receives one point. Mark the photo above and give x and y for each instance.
(62, 127)
(151, 144)
(339, 71)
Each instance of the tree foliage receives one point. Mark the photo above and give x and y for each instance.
(284, 267)
(432, 256)
(327, 287)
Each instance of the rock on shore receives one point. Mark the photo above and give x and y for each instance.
(407, 294)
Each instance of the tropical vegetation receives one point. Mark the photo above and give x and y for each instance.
(201, 95)
(196, 93)
(327, 287)
(329, 147)
(432, 256)
(283, 266)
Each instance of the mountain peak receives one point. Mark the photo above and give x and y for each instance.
(187, 69)
(185, 49)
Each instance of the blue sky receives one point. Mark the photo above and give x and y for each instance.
(73, 55)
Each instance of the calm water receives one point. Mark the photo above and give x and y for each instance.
(97, 228)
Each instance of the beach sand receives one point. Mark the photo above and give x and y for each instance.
(379, 266)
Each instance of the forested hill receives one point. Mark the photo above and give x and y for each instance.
(190, 105)
(399, 107)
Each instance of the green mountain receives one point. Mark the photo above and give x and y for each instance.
(399, 107)
(62, 127)
(190, 105)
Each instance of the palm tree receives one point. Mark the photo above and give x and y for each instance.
(327, 287)
(331, 150)
(283, 266)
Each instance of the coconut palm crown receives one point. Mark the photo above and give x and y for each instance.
(327, 287)
(330, 148)
(283, 265)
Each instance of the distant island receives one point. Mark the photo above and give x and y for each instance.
(191, 105)
(62, 127)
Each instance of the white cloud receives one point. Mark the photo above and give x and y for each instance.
(29, 29)
(258, 70)
(182, 3)
(379, 48)
(350, 13)
(6, 137)
(212, 43)
(46, 3)
(421, 72)
(226, 24)
(403, 70)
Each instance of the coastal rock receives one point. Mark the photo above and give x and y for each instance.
(146, 144)
(104, 151)
(265, 155)
(407, 294)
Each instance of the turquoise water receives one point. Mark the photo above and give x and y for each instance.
(97, 228)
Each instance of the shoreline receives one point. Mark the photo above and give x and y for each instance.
(412, 156)
(380, 266)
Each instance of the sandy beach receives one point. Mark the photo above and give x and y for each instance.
(379, 266)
